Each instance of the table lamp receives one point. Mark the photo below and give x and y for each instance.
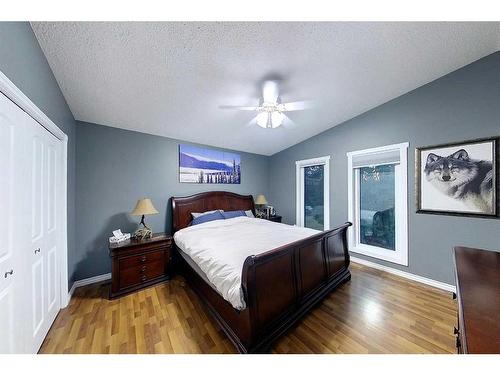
(144, 207)
(260, 201)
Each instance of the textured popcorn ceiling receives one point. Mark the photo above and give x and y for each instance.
(170, 78)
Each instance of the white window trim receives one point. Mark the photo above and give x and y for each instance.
(400, 255)
(299, 191)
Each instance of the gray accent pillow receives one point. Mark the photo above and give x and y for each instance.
(198, 214)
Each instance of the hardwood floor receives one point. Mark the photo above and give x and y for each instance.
(375, 312)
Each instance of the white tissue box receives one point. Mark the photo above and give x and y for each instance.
(124, 237)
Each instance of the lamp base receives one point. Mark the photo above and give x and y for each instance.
(143, 233)
(260, 213)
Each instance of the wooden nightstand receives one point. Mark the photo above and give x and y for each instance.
(138, 264)
(275, 218)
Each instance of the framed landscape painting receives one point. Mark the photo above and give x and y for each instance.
(457, 178)
(207, 166)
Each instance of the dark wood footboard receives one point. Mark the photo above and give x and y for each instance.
(279, 286)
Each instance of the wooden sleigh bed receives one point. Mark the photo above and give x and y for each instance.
(279, 286)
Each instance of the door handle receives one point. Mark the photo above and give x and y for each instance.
(37, 250)
(8, 273)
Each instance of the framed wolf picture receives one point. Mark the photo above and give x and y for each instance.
(457, 178)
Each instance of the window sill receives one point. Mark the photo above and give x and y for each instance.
(380, 253)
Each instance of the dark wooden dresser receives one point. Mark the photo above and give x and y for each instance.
(137, 264)
(478, 292)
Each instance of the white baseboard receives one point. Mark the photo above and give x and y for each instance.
(406, 275)
(88, 281)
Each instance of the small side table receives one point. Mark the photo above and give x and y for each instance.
(275, 218)
(137, 264)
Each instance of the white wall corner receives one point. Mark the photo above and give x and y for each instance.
(88, 281)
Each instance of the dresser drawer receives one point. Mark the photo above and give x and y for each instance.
(139, 274)
(137, 260)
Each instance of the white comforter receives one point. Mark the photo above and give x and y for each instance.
(220, 248)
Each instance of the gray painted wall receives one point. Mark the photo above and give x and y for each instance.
(115, 168)
(460, 106)
(23, 62)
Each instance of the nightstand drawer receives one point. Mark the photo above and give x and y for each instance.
(137, 260)
(139, 274)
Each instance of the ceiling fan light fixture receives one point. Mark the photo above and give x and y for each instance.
(277, 119)
(262, 119)
(270, 119)
(271, 111)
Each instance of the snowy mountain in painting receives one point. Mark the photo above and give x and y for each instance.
(189, 161)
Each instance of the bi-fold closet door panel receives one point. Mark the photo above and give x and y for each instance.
(41, 250)
(12, 208)
(31, 183)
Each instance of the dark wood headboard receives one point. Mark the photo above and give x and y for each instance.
(212, 200)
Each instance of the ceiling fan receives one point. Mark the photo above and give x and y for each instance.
(271, 112)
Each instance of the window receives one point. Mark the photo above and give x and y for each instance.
(378, 202)
(376, 206)
(313, 192)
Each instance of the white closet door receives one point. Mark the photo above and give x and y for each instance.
(30, 186)
(11, 209)
(41, 251)
(52, 182)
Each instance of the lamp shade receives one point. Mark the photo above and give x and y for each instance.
(144, 207)
(261, 199)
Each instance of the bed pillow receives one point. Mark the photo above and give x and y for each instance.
(249, 213)
(198, 214)
(231, 214)
(217, 215)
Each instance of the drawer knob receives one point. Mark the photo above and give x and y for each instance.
(8, 273)
(37, 250)
(455, 331)
(143, 268)
(144, 278)
(143, 258)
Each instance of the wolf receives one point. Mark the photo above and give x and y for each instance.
(462, 178)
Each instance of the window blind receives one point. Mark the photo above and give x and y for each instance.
(376, 158)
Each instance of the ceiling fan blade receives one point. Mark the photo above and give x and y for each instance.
(237, 107)
(297, 106)
(270, 92)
